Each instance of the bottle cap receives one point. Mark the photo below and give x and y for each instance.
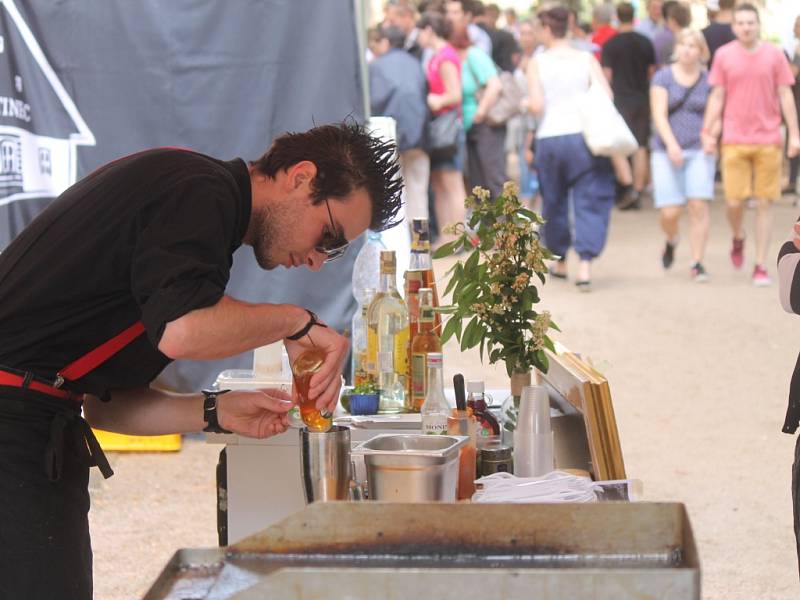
(475, 386)
(434, 359)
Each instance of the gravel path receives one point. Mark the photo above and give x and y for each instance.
(698, 373)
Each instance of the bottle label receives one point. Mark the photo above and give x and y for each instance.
(426, 314)
(401, 339)
(419, 374)
(386, 362)
(434, 424)
(372, 353)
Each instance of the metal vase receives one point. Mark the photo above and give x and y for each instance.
(325, 459)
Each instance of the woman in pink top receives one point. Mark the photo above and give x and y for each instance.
(444, 87)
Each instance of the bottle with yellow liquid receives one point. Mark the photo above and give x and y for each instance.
(425, 341)
(303, 369)
(387, 339)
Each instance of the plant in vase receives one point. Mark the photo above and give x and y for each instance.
(495, 291)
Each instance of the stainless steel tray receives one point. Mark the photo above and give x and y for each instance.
(611, 550)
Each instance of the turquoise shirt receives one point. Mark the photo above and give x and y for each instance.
(478, 65)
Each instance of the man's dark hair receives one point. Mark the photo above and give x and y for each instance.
(556, 19)
(747, 7)
(436, 21)
(395, 35)
(625, 12)
(681, 14)
(347, 158)
(726, 4)
(468, 6)
(666, 7)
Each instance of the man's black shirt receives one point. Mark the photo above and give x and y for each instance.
(148, 237)
(717, 35)
(629, 55)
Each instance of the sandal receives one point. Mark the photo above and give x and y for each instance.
(556, 274)
(584, 286)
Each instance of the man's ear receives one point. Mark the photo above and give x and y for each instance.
(301, 174)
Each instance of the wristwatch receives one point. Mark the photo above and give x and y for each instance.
(210, 411)
(304, 331)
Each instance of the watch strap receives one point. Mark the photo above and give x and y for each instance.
(314, 320)
(210, 414)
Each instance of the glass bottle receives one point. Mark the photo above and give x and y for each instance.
(420, 273)
(387, 339)
(425, 341)
(359, 373)
(488, 425)
(366, 268)
(435, 409)
(308, 363)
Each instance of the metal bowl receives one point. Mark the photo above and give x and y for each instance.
(412, 467)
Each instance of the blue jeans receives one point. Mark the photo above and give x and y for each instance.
(569, 173)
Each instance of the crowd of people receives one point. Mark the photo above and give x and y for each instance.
(702, 104)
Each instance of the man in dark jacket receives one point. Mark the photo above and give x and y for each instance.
(398, 89)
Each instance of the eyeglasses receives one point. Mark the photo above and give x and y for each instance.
(332, 246)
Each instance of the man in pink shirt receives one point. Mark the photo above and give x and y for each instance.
(751, 83)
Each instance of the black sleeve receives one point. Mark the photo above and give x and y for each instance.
(183, 254)
(607, 55)
(650, 52)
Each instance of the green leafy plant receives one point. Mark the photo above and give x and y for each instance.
(494, 289)
(365, 388)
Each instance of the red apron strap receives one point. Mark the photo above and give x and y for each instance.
(95, 358)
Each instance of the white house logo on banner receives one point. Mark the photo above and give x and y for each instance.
(40, 126)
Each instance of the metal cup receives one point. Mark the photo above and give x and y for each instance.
(325, 458)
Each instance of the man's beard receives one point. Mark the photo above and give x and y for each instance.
(264, 238)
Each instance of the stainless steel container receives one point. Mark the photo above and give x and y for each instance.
(325, 459)
(496, 458)
(412, 467)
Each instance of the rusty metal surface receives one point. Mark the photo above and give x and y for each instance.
(611, 550)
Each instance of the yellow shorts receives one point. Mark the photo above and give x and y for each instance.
(751, 171)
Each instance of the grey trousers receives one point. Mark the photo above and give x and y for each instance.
(486, 157)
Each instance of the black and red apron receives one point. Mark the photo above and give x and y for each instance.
(46, 450)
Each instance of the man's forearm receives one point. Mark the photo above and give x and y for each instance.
(712, 125)
(146, 411)
(228, 328)
(789, 111)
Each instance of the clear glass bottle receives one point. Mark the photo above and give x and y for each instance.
(388, 339)
(359, 363)
(435, 409)
(425, 341)
(366, 268)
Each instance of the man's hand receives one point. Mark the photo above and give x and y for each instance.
(796, 238)
(326, 382)
(793, 148)
(675, 154)
(254, 413)
(709, 143)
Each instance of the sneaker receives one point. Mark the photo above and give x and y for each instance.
(630, 200)
(668, 256)
(760, 277)
(737, 253)
(699, 273)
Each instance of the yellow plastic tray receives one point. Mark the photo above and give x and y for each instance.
(118, 442)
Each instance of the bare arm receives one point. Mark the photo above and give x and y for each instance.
(712, 120)
(608, 73)
(452, 88)
(789, 111)
(232, 326)
(659, 100)
(229, 328)
(535, 91)
(147, 411)
(490, 96)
